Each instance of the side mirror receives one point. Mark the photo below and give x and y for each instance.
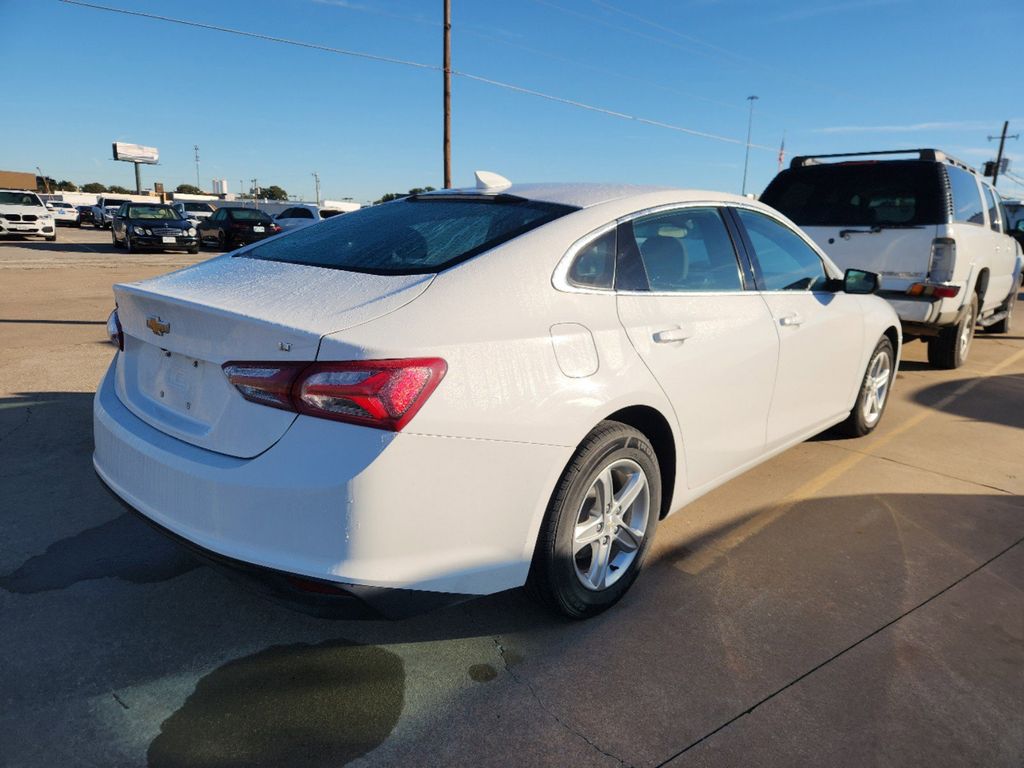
(860, 281)
(1019, 227)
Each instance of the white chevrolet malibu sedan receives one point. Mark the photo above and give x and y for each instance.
(466, 391)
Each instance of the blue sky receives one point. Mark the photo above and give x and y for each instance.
(832, 76)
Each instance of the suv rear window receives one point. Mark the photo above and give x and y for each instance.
(892, 193)
(411, 236)
(248, 214)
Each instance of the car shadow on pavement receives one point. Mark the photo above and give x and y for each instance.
(989, 403)
(118, 634)
(62, 246)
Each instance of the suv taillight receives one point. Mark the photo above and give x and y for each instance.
(943, 259)
(385, 394)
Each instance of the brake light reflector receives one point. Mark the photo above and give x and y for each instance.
(935, 291)
(384, 394)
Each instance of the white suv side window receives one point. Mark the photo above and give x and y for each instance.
(967, 205)
(994, 210)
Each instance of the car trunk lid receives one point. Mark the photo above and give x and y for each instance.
(179, 329)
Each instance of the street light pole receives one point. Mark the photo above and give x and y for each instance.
(746, 160)
(316, 178)
(199, 186)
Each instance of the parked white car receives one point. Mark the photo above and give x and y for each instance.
(464, 391)
(65, 213)
(23, 213)
(194, 211)
(928, 224)
(104, 211)
(297, 217)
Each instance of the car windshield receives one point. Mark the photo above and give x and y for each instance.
(19, 198)
(248, 214)
(151, 212)
(411, 236)
(200, 207)
(893, 193)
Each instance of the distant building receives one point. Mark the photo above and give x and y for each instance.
(17, 180)
(220, 186)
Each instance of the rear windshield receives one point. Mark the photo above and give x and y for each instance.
(893, 193)
(204, 207)
(248, 214)
(411, 236)
(113, 203)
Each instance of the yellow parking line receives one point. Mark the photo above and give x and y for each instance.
(696, 562)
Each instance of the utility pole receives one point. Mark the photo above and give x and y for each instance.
(447, 94)
(999, 156)
(255, 193)
(46, 184)
(746, 160)
(196, 148)
(316, 178)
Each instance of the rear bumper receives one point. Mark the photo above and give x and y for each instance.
(339, 503)
(921, 315)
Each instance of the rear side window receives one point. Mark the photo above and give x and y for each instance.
(594, 265)
(684, 251)
(893, 193)
(786, 262)
(967, 205)
(410, 236)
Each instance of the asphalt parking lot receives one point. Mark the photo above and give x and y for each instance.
(849, 603)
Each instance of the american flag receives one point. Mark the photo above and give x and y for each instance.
(782, 151)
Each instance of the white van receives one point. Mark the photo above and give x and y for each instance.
(927, 223)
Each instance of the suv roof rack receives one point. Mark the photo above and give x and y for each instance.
(935, 155)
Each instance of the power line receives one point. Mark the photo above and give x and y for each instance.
(417, 65)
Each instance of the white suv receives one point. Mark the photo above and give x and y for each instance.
(23, 213)
(928, 224)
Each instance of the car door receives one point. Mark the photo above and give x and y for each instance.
(1002, 276)
(210, 229)
(820, 330)
(684, 302)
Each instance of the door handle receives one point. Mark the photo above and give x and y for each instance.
(791, 320)
(670, 335)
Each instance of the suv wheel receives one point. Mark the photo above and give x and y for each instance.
(950, 348)
(599, 524)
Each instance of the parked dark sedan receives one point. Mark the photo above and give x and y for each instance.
(151, 225)
(234, 227)
(84, 214)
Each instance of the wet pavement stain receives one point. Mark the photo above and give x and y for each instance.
(124, 548)
(296, 705)
(482, 673)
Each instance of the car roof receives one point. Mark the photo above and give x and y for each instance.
(589, 194)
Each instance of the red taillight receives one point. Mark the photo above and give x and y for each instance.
(114, 330)
(935, 291)
(277, 228)
(384, 394)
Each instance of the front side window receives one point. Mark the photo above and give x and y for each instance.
(967, 205)
(786, 262)
(413, 236)
(594, 265)
(683, 251)
(994, 212)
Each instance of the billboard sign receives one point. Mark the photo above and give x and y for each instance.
(136, 153)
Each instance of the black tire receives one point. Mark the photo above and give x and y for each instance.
(194, 250)
(554, 579)
(222, 241)
(864, 418)
(113, 240)
(1006, 324)
(128, 243)
(51, 238)
(947, 350)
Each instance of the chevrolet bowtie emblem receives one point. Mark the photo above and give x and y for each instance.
(157, 326)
